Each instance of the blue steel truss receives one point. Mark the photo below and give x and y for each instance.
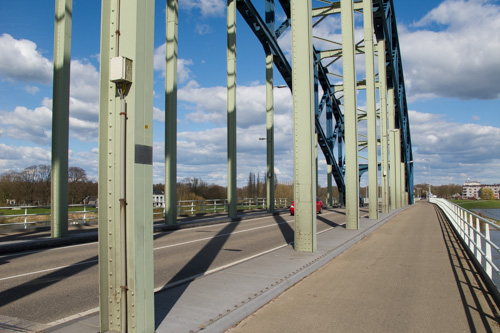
(385, 28)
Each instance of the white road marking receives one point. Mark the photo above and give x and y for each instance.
(169, 246)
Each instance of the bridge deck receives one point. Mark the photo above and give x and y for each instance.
(411, 275)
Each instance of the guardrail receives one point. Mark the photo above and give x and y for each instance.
(26, 218)
(475, 231)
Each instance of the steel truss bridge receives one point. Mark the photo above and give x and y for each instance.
(325, 114)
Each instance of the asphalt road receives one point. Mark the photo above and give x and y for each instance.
(48, 285)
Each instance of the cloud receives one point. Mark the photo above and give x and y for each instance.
(84, 82)
(21, 61)
(183, 71)
(30, 125)
(16, 158)
(203, 154)
(32, 89)
(210, 104)
(450, 52)
(456, 151)
(202, 29)
(206, 7)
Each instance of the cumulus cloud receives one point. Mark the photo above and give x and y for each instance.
(456, 151)
(184, 73)
(16, 158)
(210, 104)
(32, 89)
(84, 82)
(450, 52)
(20, 60)
(202, 29)
(206, 7)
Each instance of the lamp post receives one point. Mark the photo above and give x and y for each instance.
(426, 159)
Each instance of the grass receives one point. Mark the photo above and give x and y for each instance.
(478, 204)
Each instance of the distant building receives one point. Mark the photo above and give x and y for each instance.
(471, 190)
(158, 198)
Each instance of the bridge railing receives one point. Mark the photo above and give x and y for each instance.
(31, 216)
(475, 231)
(26, 217)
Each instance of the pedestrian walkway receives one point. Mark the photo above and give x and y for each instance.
(411, 275)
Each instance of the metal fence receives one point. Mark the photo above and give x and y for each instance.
(475, 231)
(23, 217)
(26, 218)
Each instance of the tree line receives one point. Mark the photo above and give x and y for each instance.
(32, 186)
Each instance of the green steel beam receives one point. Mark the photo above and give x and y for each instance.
(383, 125)
(270, 133)
(172, 19)
(397, 141)
(60, 118)
(392, 148)
(350, 115)
(371, 110)
(231, 108)
(270, 19)
(126, 274)
(329, 184)
(303, 125)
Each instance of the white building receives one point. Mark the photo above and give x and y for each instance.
(158, 198)
(471, 189)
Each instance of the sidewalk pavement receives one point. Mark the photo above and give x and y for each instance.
(412, 275)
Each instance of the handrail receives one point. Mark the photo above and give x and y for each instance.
(475, 231)
(89, 212)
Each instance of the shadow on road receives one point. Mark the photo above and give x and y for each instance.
(196, 267)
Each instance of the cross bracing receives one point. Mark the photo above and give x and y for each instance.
(385, 29)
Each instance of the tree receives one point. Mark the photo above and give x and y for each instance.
(487, 193)
(77, 185)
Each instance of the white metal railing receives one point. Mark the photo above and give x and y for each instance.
(475, 231)
(193, 207)
(27, 219)
(88, 213)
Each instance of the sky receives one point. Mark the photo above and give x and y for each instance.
(451, 67)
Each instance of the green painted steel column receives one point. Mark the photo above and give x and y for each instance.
(397, 141)
(172, 14)
(382, 77)
(350, 115)
(126, 274)
(316, 163)
(392, 148)
(303, 126)
(270, 133)
(231, 108)
(371, 110)
(329, 184)
(403, 185)
(60, 118)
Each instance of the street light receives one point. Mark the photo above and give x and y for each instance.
(426, 159)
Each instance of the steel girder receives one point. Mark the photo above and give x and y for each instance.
(386, 29)
(269, 41)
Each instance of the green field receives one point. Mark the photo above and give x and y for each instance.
(478, 204)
